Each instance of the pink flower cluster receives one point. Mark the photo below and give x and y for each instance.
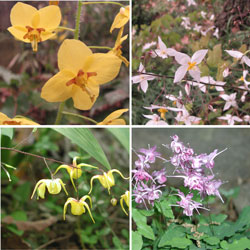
(191, 167)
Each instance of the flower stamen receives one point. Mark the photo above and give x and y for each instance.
(191, 65)
(34, 35)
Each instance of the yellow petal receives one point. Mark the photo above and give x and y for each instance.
(111, 118)
(3, 118)
(69, 200)
(50, 17)
(72, 54)
(82, 99)
(55, 89)
(36, 20)
(25, 121)
(19, 32)
(106, 66)
(77, 208)
(53, 186)
(21, 14)
(87, 206)
(120, 19)
(37, 185)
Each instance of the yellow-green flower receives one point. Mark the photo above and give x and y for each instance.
(74, 171)
(33, 26)
(121, 18)
(118, 45)
(113, 201)
(125, 197)
(54, 187)
(81, 73)
(78, 207)
(112, 119)
(107, 179)
(18, 120)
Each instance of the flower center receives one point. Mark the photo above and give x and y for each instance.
(11, 123)
(34, 35)
(81, 80)
(191, 65)
(242, 79)
(163, 113)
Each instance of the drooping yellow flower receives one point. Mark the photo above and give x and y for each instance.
(33, 26)
(118, 45)
(107, 179)
(81, 73)
(54, 187)
(125, 197)
(74, 171)
(121, 18)
(112, 118)
(18, 120)
(78, 207)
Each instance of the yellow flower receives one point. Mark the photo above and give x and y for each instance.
(74, 171)
(81, 73)
(18, 120)
(113, 201)
(33, 26)
(118, 45)
(121, 18)
(54, 187)
(112, 118)
(107, 179)
(78, 207)
(53, 2)
(125, 197)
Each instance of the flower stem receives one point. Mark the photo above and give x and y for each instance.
(99, 47)
(80, 116)
(84, 3)
(59, 113)
(65, 28)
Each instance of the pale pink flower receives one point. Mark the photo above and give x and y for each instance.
(143, 78)
(189, 64)
(191, 2)
(185, 117)
(148, 45)
(230, 119)
(155, 120)
(247, 118)
(186, 23)
(239, 55)
(212, 17)
(230, 101)
(163, 51)
(203, 14)
(243, 78)
(216, 33)
(243, 97)
(197, 27)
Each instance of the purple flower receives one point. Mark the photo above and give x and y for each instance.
(141, 162)
(150, 154)
(160, 176)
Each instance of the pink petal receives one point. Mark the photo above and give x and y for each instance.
(234, 53)
(195, 74)
(182, 58)
(199, 55)
(180, 73)
(144, 86)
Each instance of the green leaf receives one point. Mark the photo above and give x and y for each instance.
(14, 229)
(147, 212)
(122, 134)
(241, 244)
(85, 140)
(146, 231)
(7, 132)
(212, 240)
(19, 215)
(138, 217)
(173, 231)
(165, 208)
(218, 217)
(180, 242)
(136, 241)
(117, 243)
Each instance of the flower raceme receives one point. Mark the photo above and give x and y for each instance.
(33, 26)
(189, 64)
(125, 197)
(78, 207)
(74, 171)
(112, 119)
(81, 72)
(18, 120)
(121, 18)
(54, 187)
(107, 179)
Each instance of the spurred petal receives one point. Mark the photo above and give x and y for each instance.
(87, 206)
(50, 17)
(180, 73)
(65, 206)
(114, 115)
(72, 55)
(21, 14)
(91, 181)
(199, 55)
(144, 86)
(55, 89)
(37, 185)
(235, 54)
(106, 67)
(84, 100)
(62, 166)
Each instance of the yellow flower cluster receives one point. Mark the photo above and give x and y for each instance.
(54, 186)
(81, 72)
